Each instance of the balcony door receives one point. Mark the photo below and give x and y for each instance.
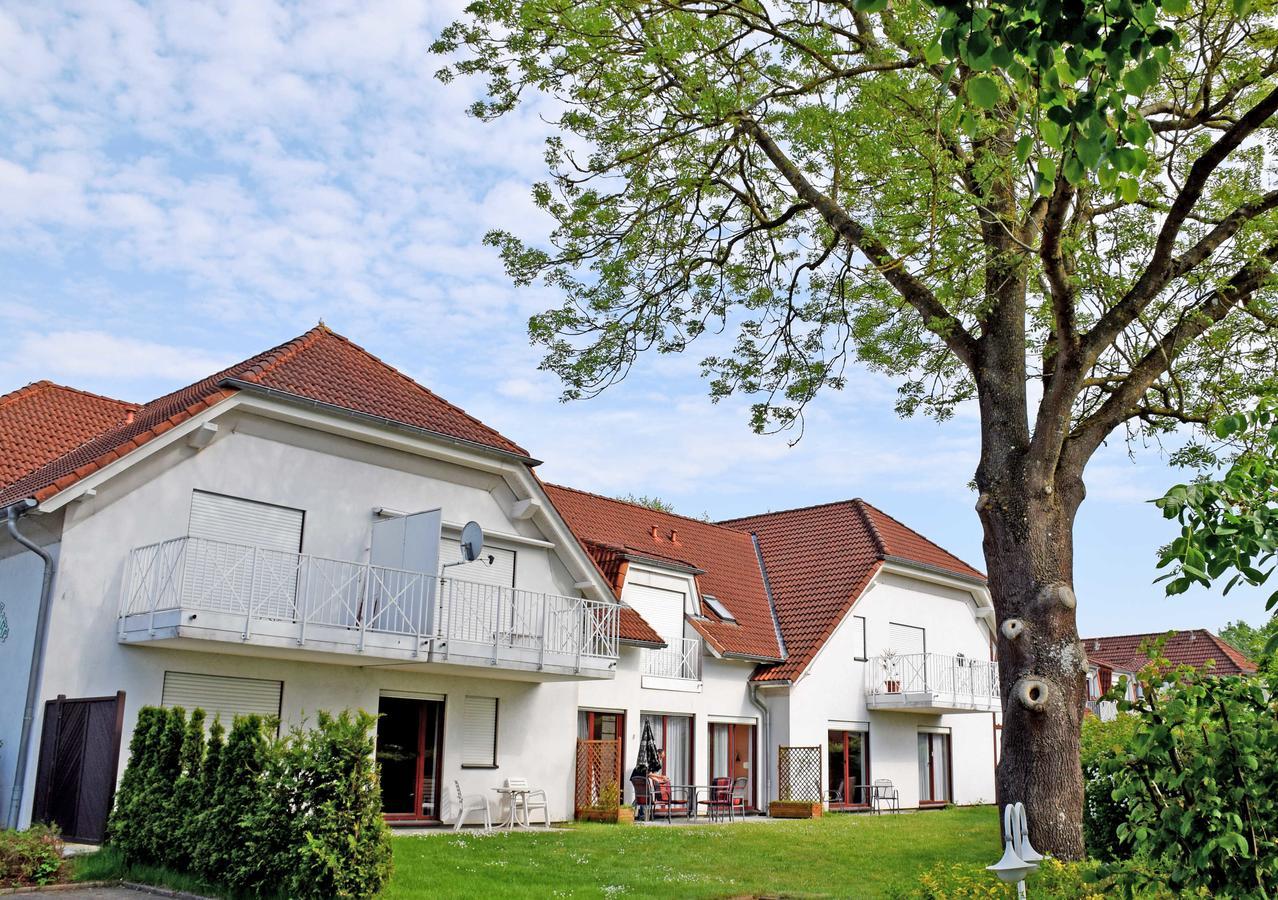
(674, 742)
(243, 556)
(848, 768)
(410, 744)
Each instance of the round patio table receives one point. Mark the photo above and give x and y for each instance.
(512, 795)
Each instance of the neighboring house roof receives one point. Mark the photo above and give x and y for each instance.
(319, 366)
(42, 421)
(820, 558)
(1194, 647)
(723, 561)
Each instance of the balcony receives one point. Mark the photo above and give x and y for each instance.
(931, 683)
(676, 667)
(189, 592)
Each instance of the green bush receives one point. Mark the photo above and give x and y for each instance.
(1102, 814)
(1200, 781)
(297, 816)
(30, 857)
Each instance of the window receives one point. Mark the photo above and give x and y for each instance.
(479, 733)
(717, 606)
(906, 639)
(600, 726)
(673, 735)
(858, 638)
(501, 572)
(732, 754)
(934, 768)
(848, 764)
(661, 609)
(222, 696)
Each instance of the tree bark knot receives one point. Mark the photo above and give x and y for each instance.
(1032, 693)
(1057, 593)
(1012, 628)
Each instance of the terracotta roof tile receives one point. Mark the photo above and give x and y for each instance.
(1195, 647)
(42, 421)
(820, 558)
(320, 365)
(613, 531)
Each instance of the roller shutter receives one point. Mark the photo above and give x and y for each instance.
(661, 609)
(906, 639)
(235, 521)
(225, 696)
(479, 731)
(501, 572)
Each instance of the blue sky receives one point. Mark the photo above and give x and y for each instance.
(183, 185)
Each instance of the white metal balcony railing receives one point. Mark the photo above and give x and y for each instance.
(933, 673)
(680, 659)
(314, 592)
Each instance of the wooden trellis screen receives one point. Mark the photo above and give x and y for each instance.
(598, 763)
(799, 774)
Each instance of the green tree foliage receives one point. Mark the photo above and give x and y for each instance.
(298, 816)
(1253, 642)
(651, 502)
(968, 197)
(1200, 782)
(1229, 525)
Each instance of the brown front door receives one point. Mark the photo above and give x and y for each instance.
(410, 739)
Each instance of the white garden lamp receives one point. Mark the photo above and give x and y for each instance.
(1013, 866)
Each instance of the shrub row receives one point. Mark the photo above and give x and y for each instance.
(260, 815)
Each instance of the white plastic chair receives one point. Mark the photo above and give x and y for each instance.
(473, 803)
(528, 799)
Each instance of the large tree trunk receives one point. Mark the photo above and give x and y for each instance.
(1028, 517)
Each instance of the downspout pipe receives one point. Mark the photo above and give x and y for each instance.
(767, 742)
(12, 514)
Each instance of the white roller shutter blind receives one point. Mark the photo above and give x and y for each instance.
(501, 572)
(479, 731)
(906, 639)
(660, 608)
(236, 521)
(856, 625)
(224, 696)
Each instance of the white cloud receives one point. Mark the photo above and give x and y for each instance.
(95, 354)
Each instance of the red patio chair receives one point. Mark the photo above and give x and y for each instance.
(720, 799)
(663, 800)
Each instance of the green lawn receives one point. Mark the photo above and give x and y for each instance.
(837, 856)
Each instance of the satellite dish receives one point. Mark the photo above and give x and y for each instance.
(472, 541)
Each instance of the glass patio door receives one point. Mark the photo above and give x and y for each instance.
(848, 765)
(732, 754)
(410, 736)
(934, 768)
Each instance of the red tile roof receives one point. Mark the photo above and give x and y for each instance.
(42, 421)
(614, 532)
(820, 558)
(320, 365)
(1195, 647)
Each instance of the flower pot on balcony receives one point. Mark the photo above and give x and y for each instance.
(894, 687)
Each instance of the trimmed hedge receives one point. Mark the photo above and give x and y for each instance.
(259, 815)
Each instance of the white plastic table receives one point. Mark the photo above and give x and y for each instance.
(512, 795)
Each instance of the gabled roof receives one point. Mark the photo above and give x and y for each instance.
(1194, 647)
(819, 559)
(723, 561)
(319, 366)
(42, 421)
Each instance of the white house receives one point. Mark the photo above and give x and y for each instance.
(283, 537)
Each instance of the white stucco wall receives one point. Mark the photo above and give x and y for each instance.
(832, 691)
(338, 482)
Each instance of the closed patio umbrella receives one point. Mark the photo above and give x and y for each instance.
(649, 755)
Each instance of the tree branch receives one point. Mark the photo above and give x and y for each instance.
(936, 318)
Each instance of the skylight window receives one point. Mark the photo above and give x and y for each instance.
(719, 609)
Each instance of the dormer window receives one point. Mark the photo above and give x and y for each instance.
(718, 608)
